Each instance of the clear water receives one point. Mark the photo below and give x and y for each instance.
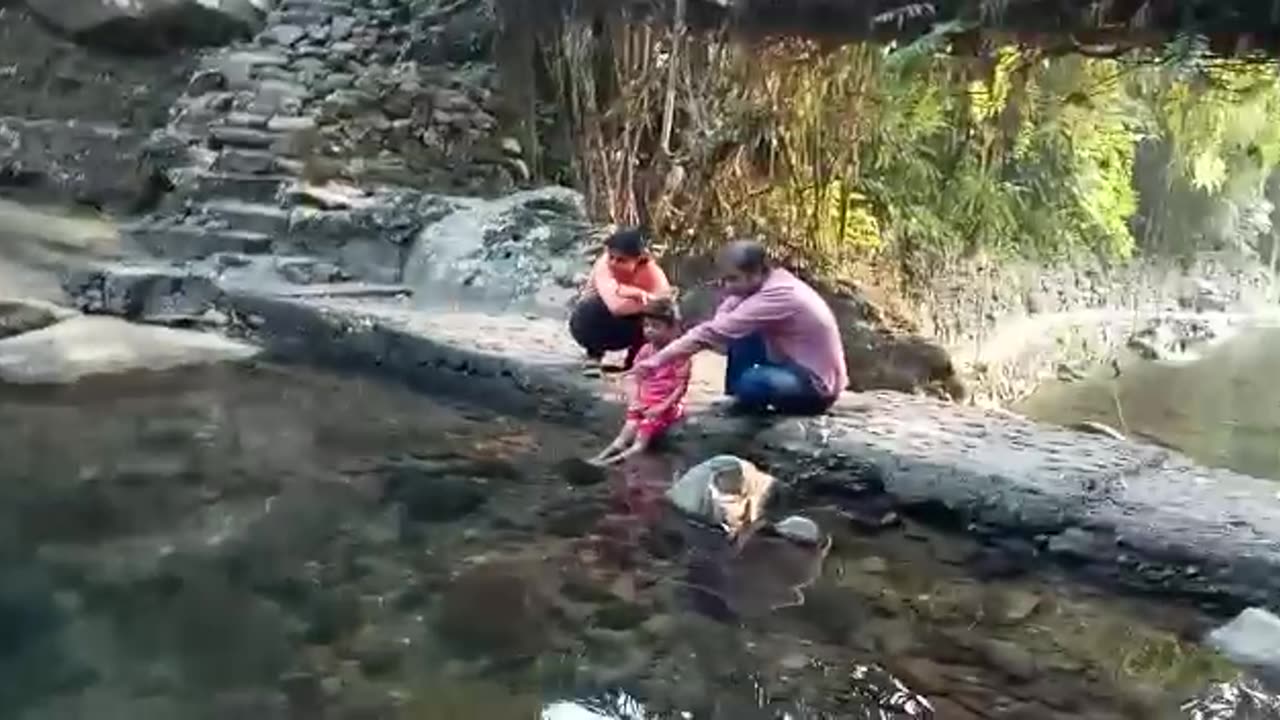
(266, 542)
(1223, 409)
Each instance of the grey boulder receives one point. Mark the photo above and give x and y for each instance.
(153, 25)
(1252, 640)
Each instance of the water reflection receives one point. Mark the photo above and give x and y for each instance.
(220, 542)
(1222, 409)
(614, 706)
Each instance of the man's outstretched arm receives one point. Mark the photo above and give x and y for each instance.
(751, 315)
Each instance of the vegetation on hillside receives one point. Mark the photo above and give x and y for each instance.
(903, 159)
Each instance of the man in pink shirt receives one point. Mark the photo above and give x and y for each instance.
(781, 338)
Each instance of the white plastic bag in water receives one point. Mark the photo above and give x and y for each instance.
(725, 491)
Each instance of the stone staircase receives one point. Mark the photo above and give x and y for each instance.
(248, 119)
(245, 215)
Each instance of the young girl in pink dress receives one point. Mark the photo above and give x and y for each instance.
(655, 398)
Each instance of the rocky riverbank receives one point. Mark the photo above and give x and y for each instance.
(1125, 513)
(402, 100)
(1136, 514)
(273, 223)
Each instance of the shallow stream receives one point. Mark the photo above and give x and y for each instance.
(1223, 409)
(267, 542)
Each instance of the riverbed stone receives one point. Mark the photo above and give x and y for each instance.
(799, 529)
(78, 162)
(430, 497)
(378, 650)
(495, 610)
(1014, 605)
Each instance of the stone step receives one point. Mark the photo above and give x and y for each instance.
(251, 162)
(279, 96)
(344, 290)
(192, 242)
(291, 123)
(237, 186)
(329, 5)
(246, 119)
(287, 27)
(221, 136)
(254, 217)
(238, 68)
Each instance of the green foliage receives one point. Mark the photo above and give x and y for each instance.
(912, 157)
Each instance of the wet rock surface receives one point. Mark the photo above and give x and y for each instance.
(82, 346)
(221, 537)
(527, 251)
(1131, 513)
(155, 25)
(76, 162)
(1178, 338)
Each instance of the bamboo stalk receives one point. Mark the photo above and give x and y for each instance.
(673, 59)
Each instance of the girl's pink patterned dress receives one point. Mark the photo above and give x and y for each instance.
(656, 386)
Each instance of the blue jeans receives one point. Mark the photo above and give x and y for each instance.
(760, 385)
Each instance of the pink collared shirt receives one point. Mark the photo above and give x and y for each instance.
(796, 323)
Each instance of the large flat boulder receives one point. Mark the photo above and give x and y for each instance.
(88, 345)
(527, 250)
(68, 161)
(1122, 512)
(152, 25)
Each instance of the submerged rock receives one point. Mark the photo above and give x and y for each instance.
(580, 473)
(767, 573)
(495, 610)
(27, 611)
(799, 529)
(431, 497)
(573, 519)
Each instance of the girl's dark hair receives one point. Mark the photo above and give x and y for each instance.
(630, 243)
(663, 310)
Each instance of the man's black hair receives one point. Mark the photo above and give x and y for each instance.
(748, 256)
(630, 243)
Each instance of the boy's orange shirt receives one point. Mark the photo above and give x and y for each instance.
(627, 294)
